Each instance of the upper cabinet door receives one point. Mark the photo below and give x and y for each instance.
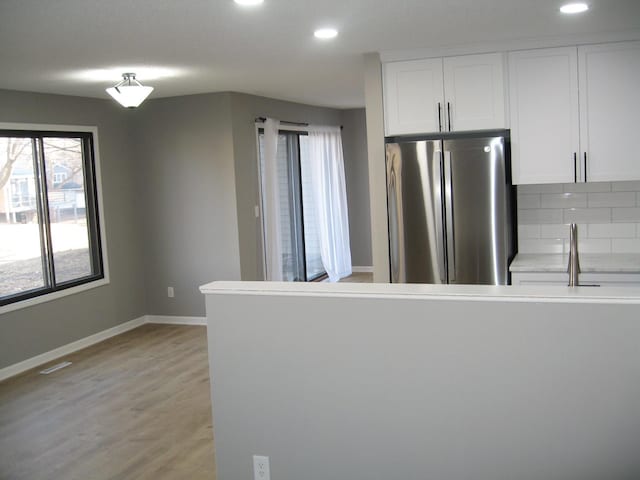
(413, 94)
(609, 109)
(543, 88)
(454, 94)
(474, 92)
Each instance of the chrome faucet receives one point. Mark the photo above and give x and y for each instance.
(574, 262)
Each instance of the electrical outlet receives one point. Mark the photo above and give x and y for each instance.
(261, 468)
(170, 292)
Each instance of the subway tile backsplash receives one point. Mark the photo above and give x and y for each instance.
(586, 215)
(563, 200)
(625, 215)
(617, 199)
(539, 216)
(607, 214)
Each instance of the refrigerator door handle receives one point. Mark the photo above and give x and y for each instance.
(392, 199)
(442, 266)
(450, 231)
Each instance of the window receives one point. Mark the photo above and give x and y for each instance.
(49, 224)
(298, 226)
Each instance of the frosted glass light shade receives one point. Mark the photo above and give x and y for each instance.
(129, 96)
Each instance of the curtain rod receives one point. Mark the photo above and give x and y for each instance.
(286, 122)
(300, 124)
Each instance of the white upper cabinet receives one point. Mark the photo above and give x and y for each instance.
(474, 92)
(609, 110)
(413, 96)
(543, 93)
(450, 94)
(574, 113)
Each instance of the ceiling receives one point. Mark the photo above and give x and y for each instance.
(80, 47)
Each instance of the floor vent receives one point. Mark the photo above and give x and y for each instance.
(55, 368)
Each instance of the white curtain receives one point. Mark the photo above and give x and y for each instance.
(330, 197)
(271, 199)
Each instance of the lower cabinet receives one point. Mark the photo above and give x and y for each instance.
(585, 279)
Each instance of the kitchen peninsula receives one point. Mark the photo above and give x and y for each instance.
(425, 381)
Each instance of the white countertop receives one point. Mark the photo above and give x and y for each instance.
(511, 293)
(589, 263)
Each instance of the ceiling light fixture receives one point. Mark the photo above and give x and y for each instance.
(248, 3)
(574, 8)
(129, 92)
(325, 33)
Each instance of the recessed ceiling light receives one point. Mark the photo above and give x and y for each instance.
(248, 3)
(326, 33)
(574, 8)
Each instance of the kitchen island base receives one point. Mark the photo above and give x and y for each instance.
(390, 381)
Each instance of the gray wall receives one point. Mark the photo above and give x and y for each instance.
(180, 183)
(198, 167)
(186, 194)
(356, 169)
(244, 110)
(419, 388)
(31, 331)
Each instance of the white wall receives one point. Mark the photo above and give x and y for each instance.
(377, 172)
(419, 388)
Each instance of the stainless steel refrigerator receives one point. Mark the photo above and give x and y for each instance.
(451, 209)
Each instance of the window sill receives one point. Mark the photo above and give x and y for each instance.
(29, 302)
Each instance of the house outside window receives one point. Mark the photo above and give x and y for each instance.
(60, 173)
(51, 242)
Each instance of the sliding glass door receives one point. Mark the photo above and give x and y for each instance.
(313, 263)
(301, 261)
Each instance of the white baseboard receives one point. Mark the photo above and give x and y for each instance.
(173, 320)
(362, 269)
(33, 362)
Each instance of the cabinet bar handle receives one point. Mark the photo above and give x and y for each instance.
(449, 114)
(575, 167)
(439, 117)
(585, 166)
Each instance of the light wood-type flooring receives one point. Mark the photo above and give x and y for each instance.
(359, 277)
(136, 406)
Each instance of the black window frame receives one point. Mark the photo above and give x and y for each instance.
(92, 209)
